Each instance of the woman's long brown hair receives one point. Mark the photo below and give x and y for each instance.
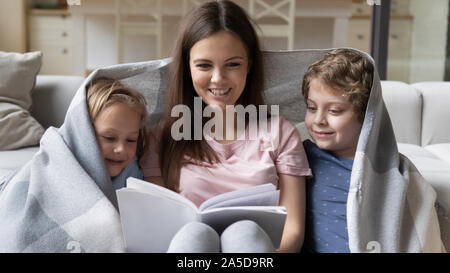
(201, 23)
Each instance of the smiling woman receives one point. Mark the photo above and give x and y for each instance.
(220, 39)
(219, 67)
(217, 62)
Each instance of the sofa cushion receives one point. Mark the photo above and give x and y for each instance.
(13, 159)
(17, 127)
(433, 169)
(52, 96)
(18, 75)
(404, 105)
(436, 112)
(441, 151)
(283, 81)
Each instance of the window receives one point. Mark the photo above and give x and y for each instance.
(417, 41)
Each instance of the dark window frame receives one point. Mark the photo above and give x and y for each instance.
(380, 36)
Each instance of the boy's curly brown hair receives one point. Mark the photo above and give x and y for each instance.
(343, 70)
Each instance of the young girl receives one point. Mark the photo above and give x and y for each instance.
(117, 114)
(217, 59)
(63, 199)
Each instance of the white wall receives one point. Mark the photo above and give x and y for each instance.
(101, 44)
(12, 25)
(100, 41)
(314, 28)
(429, 39)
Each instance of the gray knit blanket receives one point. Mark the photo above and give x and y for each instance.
(64, 201)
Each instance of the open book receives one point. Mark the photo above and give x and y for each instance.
(151, 215)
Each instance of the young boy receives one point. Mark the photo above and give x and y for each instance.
(336, 91)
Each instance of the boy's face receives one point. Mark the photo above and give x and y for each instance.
(331, 120)
(117, 131)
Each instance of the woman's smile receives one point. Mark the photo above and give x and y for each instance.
(220, 94)
(219, 67)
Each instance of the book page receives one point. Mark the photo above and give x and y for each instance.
(238, 195)
(270, 198)
(150, 188)
(271, 219)
(149, 222)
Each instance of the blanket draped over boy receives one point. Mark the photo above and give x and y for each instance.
(63, 199)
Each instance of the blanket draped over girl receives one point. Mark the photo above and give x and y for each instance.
(63, 199)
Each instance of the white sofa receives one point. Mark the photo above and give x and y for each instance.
(420, 115)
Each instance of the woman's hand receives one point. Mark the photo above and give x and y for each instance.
(292, 196)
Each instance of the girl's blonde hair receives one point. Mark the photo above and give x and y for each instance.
(104, 92)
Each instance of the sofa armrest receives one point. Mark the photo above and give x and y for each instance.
(436, 112)
(404, 105)
(51, 97)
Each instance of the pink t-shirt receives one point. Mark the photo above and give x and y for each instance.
(244, 163)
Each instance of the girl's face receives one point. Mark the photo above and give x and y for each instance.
(219, 66)
(117, 131)
(331, 120)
